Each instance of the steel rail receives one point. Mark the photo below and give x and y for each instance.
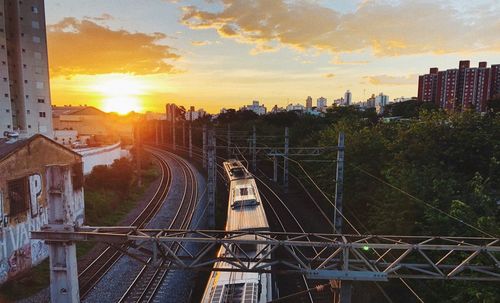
(93, 273)
(147, 282)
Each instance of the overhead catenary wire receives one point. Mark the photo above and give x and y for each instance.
(424, 202)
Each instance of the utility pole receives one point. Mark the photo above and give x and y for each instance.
(345, 286)
(174, 112)
(275, 168)
(156, 132)
(211, 180)
(63, 266)
(204, 146)
(339, 185)
(138, 148)
(162, 129)
(229, 141)
(184, 133)
(285, 162)
(254, 150)
(190, 141)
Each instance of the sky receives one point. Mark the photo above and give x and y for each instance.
(122, 55)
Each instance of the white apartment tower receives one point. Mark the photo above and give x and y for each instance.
(25, 104)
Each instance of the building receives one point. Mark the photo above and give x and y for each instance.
(338, 102)
(321, 104)
(23, 198)
(193, 114)
(401, 99)
(459, 89)
(309, 103)
(25, 105)
(256, 108)
(381, 102)
(347, 98)
(295, 107)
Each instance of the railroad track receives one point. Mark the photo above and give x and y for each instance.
(94, 272)
(148, 281)
(279, 210)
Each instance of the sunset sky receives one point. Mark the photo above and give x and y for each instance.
(122, 55)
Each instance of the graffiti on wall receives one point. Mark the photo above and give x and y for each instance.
(35, 182)
(17, 251)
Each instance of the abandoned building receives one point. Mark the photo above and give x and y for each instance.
(23, 204)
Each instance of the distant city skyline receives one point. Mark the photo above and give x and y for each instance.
(123, 55)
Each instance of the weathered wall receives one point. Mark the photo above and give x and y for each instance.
(17, 252)
(99, 156)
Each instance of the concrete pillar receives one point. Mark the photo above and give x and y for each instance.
(63, 265)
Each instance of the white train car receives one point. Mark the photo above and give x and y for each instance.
(244, 212)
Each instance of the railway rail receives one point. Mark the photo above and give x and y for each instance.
(281, 211)
(146, 284)
(93, 273)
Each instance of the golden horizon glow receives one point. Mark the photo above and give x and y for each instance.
(121, 93)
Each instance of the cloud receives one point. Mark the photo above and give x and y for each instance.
(386, 28)
(103, 17)
(87, 48)
(391, 80)
(329, 76)
(201, 43)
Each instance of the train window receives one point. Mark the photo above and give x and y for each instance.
(18, 196)
(244, 203)
(238, 172)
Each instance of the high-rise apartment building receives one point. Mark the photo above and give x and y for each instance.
(463, 88)
(321, 103)
(347, 98)
(25, 104)
(495, 80)
(309, 103)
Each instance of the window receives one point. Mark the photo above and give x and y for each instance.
(7, 110)
(39, 85)
(6, 95)
(42, 114)
(4, 79)
(34, 10)
(29, 126)
(28, 111)
(38, 70)
(18, 196)
(36, 39)
(26, 81)
(35, 24)
(40, 100)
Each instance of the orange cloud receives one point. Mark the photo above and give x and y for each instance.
(86, 48)
(392, 80)
(329, 76)
(386, 28)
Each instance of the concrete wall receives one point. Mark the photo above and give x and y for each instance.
(27, 166)
(99, 156)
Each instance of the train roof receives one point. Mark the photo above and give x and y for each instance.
(246, 215)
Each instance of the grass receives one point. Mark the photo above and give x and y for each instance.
(38, 278)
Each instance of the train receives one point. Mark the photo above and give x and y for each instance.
(245, 212)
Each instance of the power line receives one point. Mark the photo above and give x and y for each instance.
(424, 202)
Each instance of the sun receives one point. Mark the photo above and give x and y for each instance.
(122, 105)
(121, 94)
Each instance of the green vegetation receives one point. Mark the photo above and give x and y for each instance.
(449, 162)
(110, 194)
